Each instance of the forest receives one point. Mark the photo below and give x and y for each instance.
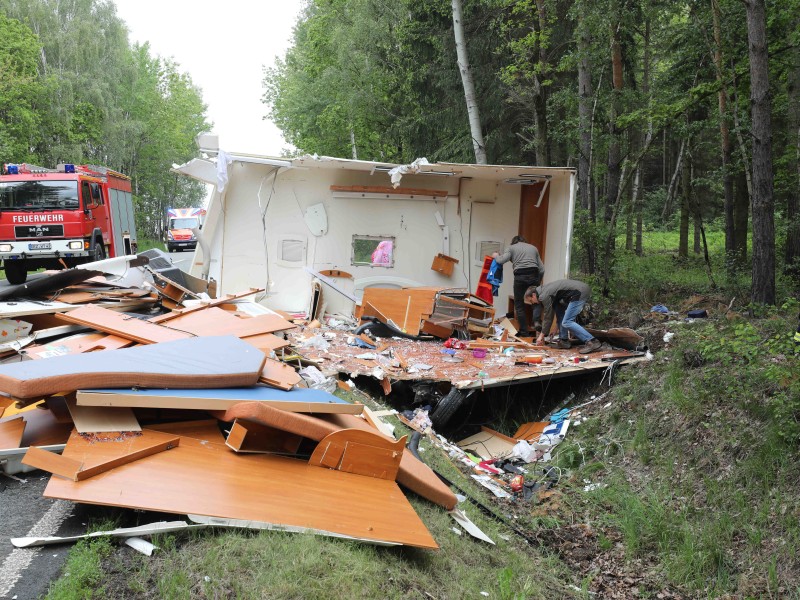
(73, 89)
(678, 115)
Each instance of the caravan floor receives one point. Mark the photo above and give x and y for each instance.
(402, 359)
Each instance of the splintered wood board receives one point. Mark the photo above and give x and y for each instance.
(228, 298)
(94, 419)
(137, 330)
(208, 479)
(216, 321)
(267, 342)
(279, 375)
(189, 363)
(96, 462)
(86, 342)
(11, 433)
(297, 400)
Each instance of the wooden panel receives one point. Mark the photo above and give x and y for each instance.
(247, 436)
(95, 461)
(532, 220)
(488, 444)
(216, 321)
(5, 402)
(279, 375)
(136, 448)
(94, 419)
(413, 474)
(529, 431)
(406, 307)
(42, 428)
(206, 429)
(190, 363)
(137, 330)
(297, 400)
(52, 463)
(85, 342)
(379, 189)
(267, 342)
(11, 433)
(228, 298)
(336, 273)
(359, 452)
(208, 479)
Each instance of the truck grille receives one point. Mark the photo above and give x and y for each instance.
(38, 231)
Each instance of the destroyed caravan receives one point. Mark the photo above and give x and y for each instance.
(63, 217)
(181, 223)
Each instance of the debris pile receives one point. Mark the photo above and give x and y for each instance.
(135, 387)
(192, 411)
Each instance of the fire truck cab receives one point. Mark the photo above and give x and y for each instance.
(57, 218)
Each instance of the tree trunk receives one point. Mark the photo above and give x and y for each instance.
(638, 183)
(542, 142)
(614, 153)
(585, 127)
(673, 183)
(686, 192)
(741, 217)
(724, 132)
(469, 86)
(793, 199)
(763, 290)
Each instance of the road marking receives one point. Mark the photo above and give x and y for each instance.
(19, 559)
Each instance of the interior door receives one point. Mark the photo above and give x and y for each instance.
(533, 219)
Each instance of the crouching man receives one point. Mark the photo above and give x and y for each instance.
(572, 293)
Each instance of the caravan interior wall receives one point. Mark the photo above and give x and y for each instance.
(276, 222)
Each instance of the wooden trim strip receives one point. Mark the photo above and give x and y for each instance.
(228, 298)
(379, 189)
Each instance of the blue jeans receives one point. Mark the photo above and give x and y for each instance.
(568, 323)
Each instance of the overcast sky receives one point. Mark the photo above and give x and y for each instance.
(223, 47)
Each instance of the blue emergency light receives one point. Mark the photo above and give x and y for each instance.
(69, 168)
(12, 169)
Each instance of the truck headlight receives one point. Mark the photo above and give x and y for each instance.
(5, 247)
(77, 245)
(169, 235)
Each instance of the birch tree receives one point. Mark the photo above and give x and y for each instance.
(469, 86)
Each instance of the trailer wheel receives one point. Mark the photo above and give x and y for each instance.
(447, 407)
(16, 271)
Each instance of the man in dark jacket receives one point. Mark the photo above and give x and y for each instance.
(575, 294)
(528, 271)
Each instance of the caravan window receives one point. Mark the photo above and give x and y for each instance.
(373, 250)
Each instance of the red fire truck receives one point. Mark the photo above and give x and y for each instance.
(64, 216)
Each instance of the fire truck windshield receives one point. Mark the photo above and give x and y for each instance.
(185, 223)
(38, 195)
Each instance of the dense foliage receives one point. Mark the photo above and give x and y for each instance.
(651, 100)
(73, 89)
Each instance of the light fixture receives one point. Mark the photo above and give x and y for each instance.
(5, 247)
(75, 245)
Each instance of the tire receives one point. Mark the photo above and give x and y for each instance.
(99, 252)
(16, 271)
(447, 407)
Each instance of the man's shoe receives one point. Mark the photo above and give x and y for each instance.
(593, 345)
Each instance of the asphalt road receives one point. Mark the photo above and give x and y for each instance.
(25, 574)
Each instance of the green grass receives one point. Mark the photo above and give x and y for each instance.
(83, 574)
(706, 480)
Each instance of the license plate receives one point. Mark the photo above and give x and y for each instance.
(40, 246)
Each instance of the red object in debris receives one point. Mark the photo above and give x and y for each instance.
(517, 483)
(454, 343)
